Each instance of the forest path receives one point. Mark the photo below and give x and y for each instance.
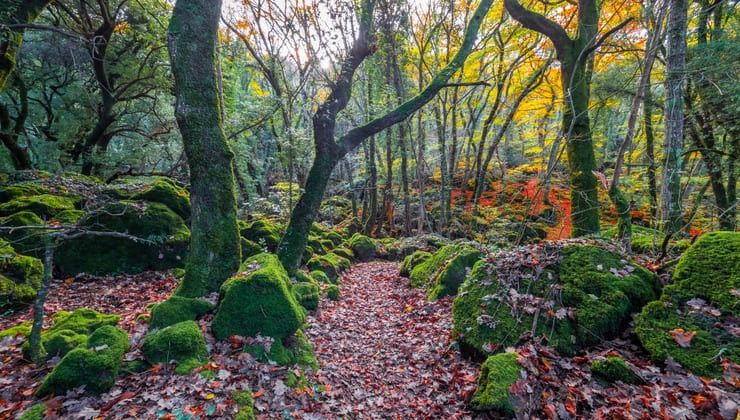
(386, 351)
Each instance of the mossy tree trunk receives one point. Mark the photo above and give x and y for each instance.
(15, 12)
(576, 64)
(214, 246)
(329, 151)
(11, 128)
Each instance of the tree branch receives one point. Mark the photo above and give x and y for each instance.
(541, 24)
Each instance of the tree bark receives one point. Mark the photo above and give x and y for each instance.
(15, 12)
(214, 245)
(674, 120)
(11, 128)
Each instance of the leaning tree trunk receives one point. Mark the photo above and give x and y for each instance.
(214, 245)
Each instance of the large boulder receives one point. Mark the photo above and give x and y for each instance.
(330, 264)
(445, 270)
(20, 276)
(177, 309)
(156, 189)
(258, 300)
(263, 232)
(166, 232)
(579, 294)
(363, 247)
(694, 322)
(413, 260)
(45, 206)
(94, 365)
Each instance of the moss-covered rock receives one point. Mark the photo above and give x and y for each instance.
(22, 329)
(335, 237)
(332, 292)
(45, 206)
(330, 264)
(454, 272)
(61, 342)
(294, 349)
(320, 277)
(580, 294)
(265, 233)
(445, 270)
(258, 300)
(20, 276)
(364, 248)
(344, 253)
(613, 369)
(700, 303)
(70, 330)
(156, 189)
(94, 365)
(69, 217)
(25, 241)
(497, 374)
(155, 222)
(177, 309)
(182, 343)
(24, 189)
(307, 294)
(245, 403)
(411, 261)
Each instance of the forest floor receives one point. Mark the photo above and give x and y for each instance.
(384, 351)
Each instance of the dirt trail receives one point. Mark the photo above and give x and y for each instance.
(385, 350)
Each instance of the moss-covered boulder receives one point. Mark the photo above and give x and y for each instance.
(20, 330)
(258, 300)
(70, 330)
(23, 189)
(579, 293)
(344, 253)
(445, 270)
(35, 412)
(182, 343)
(177, 309)
(165, 231)
(265, 233)
(45, 206)
(330, 264)
(20, 276)
(335, 237)
(245, 403)
(413, 260)
(693, 320)
(497, 374)
(332, 292)
(156, 189)
(612, 369)
(307, 294)
(364, 248)
(94, 364)
(320, 277)
(294, 349)
(25, 241)
(250, 248)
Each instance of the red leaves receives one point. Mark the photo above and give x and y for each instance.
(683, 338)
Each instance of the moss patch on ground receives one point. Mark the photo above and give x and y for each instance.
(497, 374)
(613, 369)
(330, 264)
(178, 309)
(580, 293)
(258, 300)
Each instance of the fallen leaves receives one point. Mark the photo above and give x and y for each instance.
(683, 338)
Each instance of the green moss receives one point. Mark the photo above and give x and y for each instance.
(613, 369)
(292, 350)
(61, 342)
(411, 261)
(182, 343)
(97, 255)
(25, 189)
(178, 309)
(258, 301)
(45, 206)
(303, 277)
(155, 189)
(332, 292)
(320, 277)
(700, 300)
(24, 328)
(424, 273)
(363, 247)
(263, 232)
(35, 412)
(577, 299)
(245, 402)
(335, 237)
(250, 248)
(20, 276)
(455, 271)
(69, 216)
(94, 365)
(498, 373)
(330, 264)
(83, 321)
(344, 253)
(25, 241)
(307, 294)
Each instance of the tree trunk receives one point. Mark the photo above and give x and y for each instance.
(15, 12)
(647, 110)
(34, 338)
(674, 120)
(10, 131)
(215, 251)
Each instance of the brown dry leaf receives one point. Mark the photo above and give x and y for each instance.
(682, 337)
